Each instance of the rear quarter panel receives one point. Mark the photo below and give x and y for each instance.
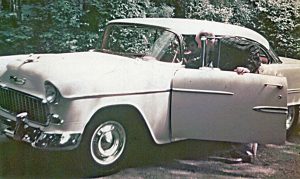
(292, 72)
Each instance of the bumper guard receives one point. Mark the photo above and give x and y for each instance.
(21, 130)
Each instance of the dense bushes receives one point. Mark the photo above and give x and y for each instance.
(277, 20)
(30, 26)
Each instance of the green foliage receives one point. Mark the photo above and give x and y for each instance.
(66, 26)
(279, 21)
(63, 25)
(203, 9)
(236, 13)
(105, 10)
(36, 26)
(11, 32)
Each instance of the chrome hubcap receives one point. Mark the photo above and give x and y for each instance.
(290, 118)
(108, 142)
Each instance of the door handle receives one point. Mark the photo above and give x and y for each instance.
(279, 86)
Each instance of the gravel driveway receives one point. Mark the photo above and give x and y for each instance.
(182, 160)
(273, 161)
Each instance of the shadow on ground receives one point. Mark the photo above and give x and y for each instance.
(188, 159)
(22, 161)
(273, 161)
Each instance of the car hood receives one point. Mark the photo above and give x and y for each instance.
(90, 73)
(4, 60)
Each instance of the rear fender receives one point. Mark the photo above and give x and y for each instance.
(292, 74)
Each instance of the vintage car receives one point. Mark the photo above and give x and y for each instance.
(135, 88)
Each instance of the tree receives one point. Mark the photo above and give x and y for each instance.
(65, 26)
(238, 12)
(279, 21)
(33, 26)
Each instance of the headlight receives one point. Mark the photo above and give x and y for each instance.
(51, 93)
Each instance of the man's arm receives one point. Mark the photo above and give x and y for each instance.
(241, 70)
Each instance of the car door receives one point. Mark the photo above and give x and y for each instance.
(210, 104)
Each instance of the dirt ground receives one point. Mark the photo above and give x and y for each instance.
(273, 161)
(182, 160)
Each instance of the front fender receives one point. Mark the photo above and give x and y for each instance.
(153, 109)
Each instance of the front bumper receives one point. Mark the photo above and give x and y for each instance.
(19, 128)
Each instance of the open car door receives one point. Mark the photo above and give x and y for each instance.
(210, 104)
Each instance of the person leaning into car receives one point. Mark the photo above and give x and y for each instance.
(244, 58)
(239, 55)
(243, 55)
(195, 48)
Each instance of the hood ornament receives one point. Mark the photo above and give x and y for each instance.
(31, 59)
(16, 80)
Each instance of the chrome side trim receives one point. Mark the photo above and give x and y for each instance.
(117, 94)
(202, 91)
(271, 109)
(296, 90)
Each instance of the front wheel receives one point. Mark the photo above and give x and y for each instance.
(108, 142)
(292, 120)
(112, 141)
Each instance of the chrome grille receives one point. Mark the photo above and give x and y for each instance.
(16, 102)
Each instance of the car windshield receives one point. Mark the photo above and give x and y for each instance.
(274, 56)
(141, 41)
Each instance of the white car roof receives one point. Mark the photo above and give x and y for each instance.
(194, 26)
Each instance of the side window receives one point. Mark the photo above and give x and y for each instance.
(200, 54)
(191, 50)
(226, 53)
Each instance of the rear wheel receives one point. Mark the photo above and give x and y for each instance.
(292, 120)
